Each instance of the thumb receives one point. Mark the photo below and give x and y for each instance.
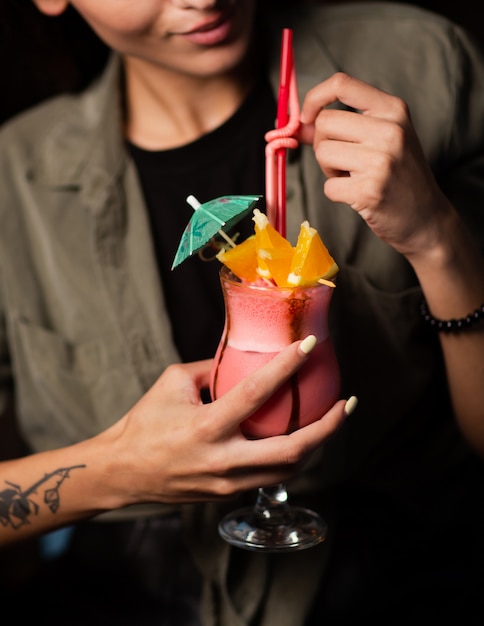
(305, 133)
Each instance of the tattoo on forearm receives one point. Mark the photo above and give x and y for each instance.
(17, 506)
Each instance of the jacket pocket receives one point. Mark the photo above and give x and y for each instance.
(65, 391)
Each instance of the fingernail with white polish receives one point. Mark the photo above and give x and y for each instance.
(351, 405)
(308, 344)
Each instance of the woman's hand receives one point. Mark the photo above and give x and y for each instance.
(169, 448)
(374, 161)
(172, 448)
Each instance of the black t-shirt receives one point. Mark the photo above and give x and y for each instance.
(228, 161)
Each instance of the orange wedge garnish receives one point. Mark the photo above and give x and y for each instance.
(269, 255)
(241, 260)
(277, 262)
(267, 238)
(311, 260)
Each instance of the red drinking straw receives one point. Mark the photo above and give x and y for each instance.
(282, 138)
(286, 68)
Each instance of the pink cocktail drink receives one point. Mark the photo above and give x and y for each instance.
(260, 320)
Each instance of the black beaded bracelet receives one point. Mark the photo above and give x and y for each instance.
(451, 326)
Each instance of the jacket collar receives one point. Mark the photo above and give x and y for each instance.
(85, 131)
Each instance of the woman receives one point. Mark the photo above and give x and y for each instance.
(94, 311)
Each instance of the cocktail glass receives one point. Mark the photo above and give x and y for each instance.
(260, 320)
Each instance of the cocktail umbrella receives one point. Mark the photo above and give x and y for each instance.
(210, 218)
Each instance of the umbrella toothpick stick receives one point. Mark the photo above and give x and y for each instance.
(195, 204)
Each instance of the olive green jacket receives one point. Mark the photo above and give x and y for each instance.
(83, 327)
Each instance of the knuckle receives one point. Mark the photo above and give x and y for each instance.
(220, 463)
(383, 163)
(202, 428)
(224, 488)
(395, 137)
(340, 80)
(398, 109)
(173, 370)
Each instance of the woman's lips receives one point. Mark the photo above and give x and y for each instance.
(212, 33)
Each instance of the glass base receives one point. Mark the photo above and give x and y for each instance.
(300, 529)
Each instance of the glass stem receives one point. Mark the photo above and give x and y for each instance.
(272, 505)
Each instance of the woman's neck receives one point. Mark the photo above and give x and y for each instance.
(166, 110)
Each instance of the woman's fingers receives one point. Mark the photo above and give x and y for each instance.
(356, 95)
(251, 392)
(262, 462)
(291, 449)
(194, 452)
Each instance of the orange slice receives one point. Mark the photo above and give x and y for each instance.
(311, 260)
(269, 255)
(278, 263)
(241, 260)
(267, 237)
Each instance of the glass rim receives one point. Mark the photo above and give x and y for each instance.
(228, 276)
